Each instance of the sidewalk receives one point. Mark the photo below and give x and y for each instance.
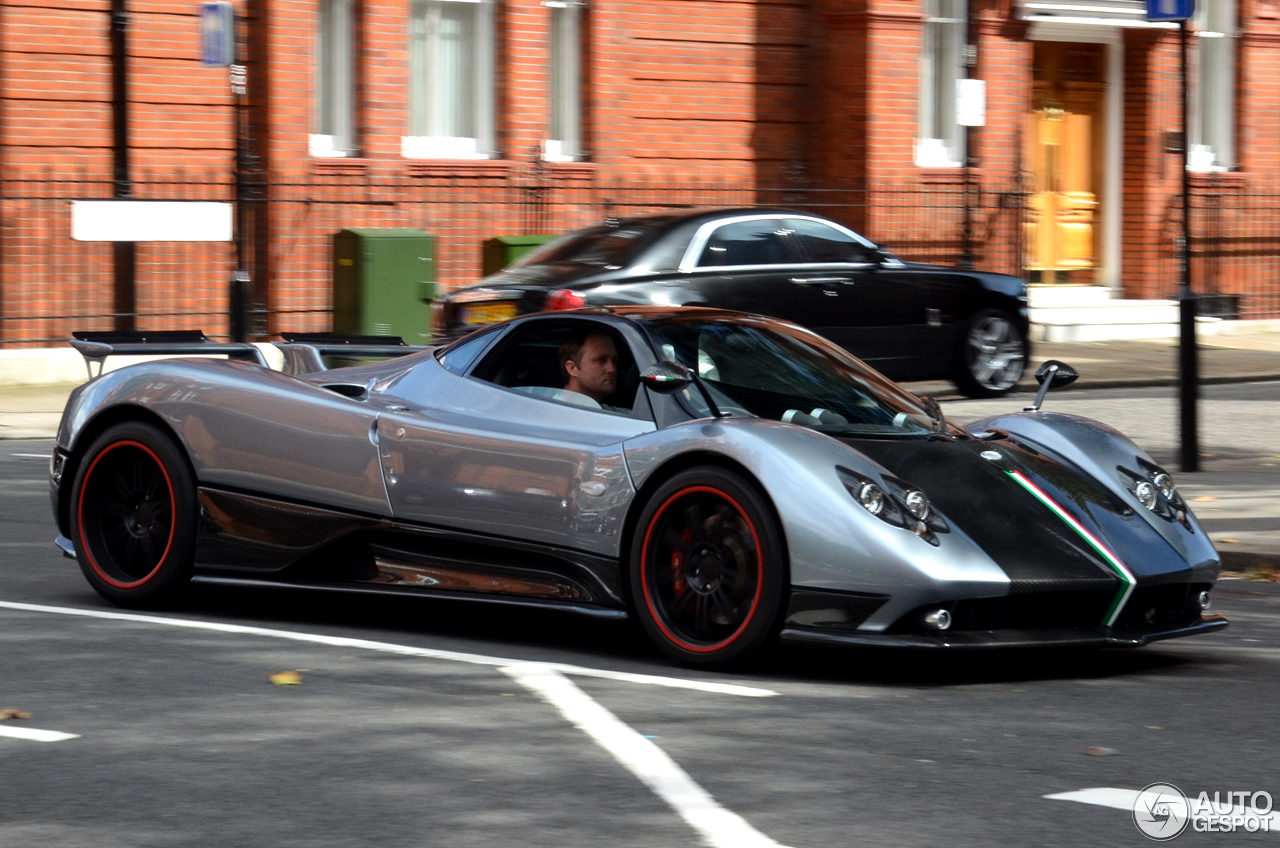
(1238, 501)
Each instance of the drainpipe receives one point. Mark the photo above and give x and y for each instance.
(124, 306)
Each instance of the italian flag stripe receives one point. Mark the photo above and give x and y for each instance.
(1126, 576)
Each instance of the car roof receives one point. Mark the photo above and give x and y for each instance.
(699, 214)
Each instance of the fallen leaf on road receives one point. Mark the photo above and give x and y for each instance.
(1097, 751)
(1205, 498)
(8, 714)
(286, 678)
(1227, 541)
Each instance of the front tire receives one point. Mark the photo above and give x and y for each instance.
(993, 355)
(133, 516)
(708, 574)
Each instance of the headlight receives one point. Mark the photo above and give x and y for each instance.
(1164, 482)
(917, 504)
(1146, 494)
(871, 497)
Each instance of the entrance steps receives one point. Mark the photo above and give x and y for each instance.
(1091, 314)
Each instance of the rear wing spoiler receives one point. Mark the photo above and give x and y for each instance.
(304, 352)
(95, 347)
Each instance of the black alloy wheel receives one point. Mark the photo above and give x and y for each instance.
(708, 577)
(133, 516)
(993, 355)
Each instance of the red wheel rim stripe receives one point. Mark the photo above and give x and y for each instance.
(172, 523)
(644, 583)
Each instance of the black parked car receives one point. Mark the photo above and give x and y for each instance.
(909, 321)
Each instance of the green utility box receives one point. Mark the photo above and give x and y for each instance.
(501, 251)
(384, 279)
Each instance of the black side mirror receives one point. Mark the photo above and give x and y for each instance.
(666, 377)
(1051, 375)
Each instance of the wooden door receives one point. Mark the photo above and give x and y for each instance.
(1063, 140)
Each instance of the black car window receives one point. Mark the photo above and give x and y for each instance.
(824, 243)
(528, 361)
(458, 356)
(759, 242)
(602, 246)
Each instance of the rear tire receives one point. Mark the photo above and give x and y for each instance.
(992, 356)
(708, 573)
(133, 516)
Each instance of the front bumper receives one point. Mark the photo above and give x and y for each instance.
(967, 640)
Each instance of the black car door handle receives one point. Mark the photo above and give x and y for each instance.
(821, 281)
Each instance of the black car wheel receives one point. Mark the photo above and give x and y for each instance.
(707, 571)
(133, 516)
(993, 355)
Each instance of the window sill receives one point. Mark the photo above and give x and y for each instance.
(950, 175)
(1217, 179)
(571, 170)
(459, 167)
(340, 166)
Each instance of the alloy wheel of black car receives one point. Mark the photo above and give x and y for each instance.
(133, 515)
(993, 357)
(707, 576)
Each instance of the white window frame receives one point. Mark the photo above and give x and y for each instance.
(334, 76)
(564, 81)
(939, 139)
(423, 140)
(1213, 117)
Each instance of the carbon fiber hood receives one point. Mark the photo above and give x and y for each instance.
(982, 497)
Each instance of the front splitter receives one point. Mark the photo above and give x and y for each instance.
(971, 640)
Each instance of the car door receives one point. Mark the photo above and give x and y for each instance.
(881, 314)
(492, 459)
(751, 264)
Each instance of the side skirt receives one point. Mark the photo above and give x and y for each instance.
(298, 544)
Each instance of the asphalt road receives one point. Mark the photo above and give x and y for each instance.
(425, 723)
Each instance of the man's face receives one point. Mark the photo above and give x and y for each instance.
(595, 374)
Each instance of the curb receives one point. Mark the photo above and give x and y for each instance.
(1239, 562)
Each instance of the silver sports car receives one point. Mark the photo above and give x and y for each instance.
(724, 478)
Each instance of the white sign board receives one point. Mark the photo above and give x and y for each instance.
(150, 220)
(971, 102)
(217, 34)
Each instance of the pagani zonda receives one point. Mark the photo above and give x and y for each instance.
(742, 478)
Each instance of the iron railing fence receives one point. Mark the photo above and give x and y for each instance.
(51, 285)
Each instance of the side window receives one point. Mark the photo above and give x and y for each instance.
(746, 243)
(458, 357)
(824, 243)
(603, 376)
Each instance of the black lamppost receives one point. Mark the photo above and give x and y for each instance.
(124, 253)
(1188, 353)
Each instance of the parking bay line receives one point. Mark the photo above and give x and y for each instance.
(31, 734)
(719, 827)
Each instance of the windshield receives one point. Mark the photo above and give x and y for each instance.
(766, 369)
(602, 246)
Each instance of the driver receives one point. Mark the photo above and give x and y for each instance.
(589, 365)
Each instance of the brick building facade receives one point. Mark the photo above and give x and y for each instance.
(474, 119)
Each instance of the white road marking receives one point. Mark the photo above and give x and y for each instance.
(1102, 796)
(33, 735)
(1122, 799)
(31, 455)
(718, 826)
(392, 648)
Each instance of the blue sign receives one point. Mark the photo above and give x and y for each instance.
(1170, 10)
(217, 34)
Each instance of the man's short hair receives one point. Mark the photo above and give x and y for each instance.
(571, 349)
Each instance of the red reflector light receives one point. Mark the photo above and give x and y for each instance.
(564, 299)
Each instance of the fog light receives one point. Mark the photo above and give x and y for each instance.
(940, 619)
(1204, 600)
(1146, 494)
(871, 497)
